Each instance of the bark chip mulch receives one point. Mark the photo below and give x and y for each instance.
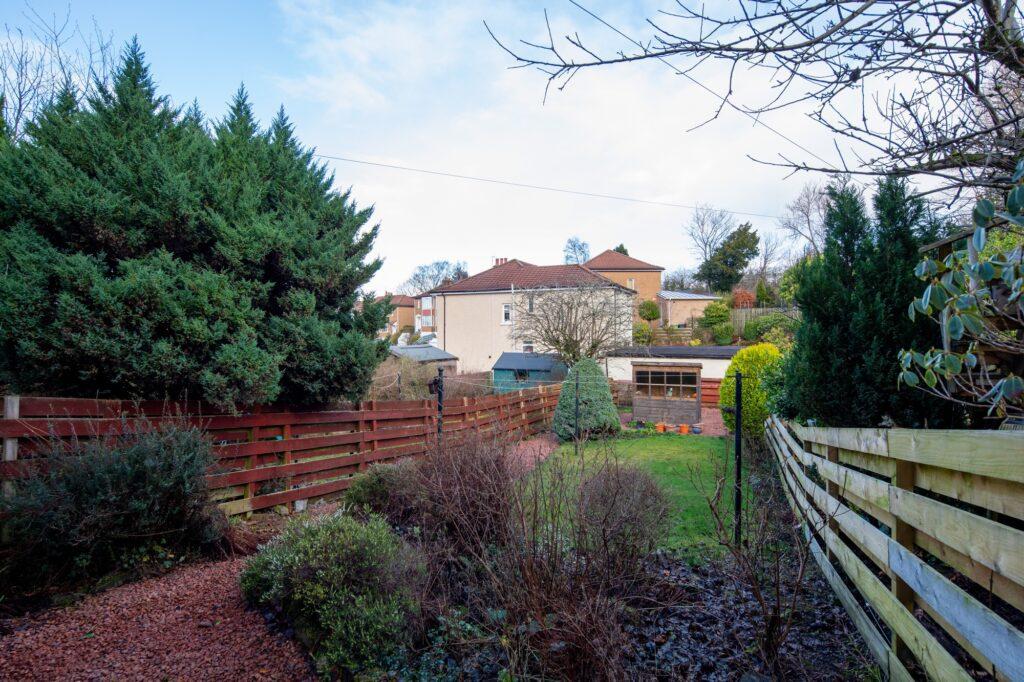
(187, 625)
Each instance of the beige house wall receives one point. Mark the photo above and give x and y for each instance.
(470, 326)
(679, 312)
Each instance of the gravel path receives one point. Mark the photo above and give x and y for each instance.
(189, 624)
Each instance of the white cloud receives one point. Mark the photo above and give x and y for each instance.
(426, 87)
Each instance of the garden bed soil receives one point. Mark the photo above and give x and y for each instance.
(711, 634)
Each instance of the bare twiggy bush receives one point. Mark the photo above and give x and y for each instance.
(771, 559)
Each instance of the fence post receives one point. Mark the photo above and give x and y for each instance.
(286, 435)
(12, 410)
(440, 402)
(250, 463)
(373, 434)
(904, 534)
(738, 486)
(832, 488)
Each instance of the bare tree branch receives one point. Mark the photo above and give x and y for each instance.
(575, 322)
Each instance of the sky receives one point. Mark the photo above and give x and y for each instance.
(423, 85)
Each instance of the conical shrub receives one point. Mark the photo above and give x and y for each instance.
(598, 415)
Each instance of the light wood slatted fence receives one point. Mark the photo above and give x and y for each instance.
(274, 456)
(919, 532)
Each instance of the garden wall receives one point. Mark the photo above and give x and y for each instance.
(274, 455)
(920, 534)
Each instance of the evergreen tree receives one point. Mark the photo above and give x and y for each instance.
(145, 256)
(621, 248)
(842, 368)
(724, 269)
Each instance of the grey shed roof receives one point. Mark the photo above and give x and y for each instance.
(686, 296)
(422, 352)
(534, 362)
(678, 352)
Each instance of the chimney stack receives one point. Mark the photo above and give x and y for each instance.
(500, 261)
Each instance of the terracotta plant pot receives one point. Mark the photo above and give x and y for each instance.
(684, 428)
(660, 428)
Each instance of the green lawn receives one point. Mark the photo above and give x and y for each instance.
(685, 466)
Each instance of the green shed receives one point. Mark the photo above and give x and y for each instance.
(515, 371)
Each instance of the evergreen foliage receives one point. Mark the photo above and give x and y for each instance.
(146, 256)
(598, 415)
(714, 313)
(755, 363)
(104, 505)
(621, 248)
(648, 311)
(724, 269)
(643, 335)
(853, 300)
(350, 589)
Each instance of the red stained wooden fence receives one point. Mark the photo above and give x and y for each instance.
(275, 455)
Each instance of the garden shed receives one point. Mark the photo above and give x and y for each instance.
(666, 392)
(515, 371)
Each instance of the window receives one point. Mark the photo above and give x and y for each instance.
(427, 303)
(527, 346)
(667, 382)
(631, 283)
(522, 375)
(529, 303)
(506, 313)
(427, 320)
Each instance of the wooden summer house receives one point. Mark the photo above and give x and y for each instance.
(668, 393)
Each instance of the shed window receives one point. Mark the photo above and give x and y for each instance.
(674, 383)
(522, 374)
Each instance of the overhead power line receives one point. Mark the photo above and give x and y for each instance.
(526, 185)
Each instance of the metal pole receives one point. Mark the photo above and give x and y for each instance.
(440, 401)
(576, 431)
(738, 500)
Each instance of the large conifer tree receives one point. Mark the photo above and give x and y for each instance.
(146, 256)
(842, 368)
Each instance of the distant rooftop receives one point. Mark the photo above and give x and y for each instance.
(399, 300)
(422, 352)
(614, 261)
(516, 274)
(686, 296)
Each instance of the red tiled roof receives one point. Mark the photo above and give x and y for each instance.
(613, 260)
(400, 300)
(520, 275)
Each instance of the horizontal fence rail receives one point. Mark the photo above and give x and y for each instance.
(274, 456)
(919, 533)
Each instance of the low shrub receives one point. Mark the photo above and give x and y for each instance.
(466, 490)
(597, 413)
(624, 512)
(754, 362)
(756, 329)
(643, 335)
(349, 588)
(390, 489)
(648, 310)
(110, 504)
(723, 333)
(715, 313)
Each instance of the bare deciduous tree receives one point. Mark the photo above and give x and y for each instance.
(575, 322)
(805, 217)
(44, 57)
(576, 251)
(677, 280)
(427, 277)
(773, 252)
(707, 230)
(918, 87)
